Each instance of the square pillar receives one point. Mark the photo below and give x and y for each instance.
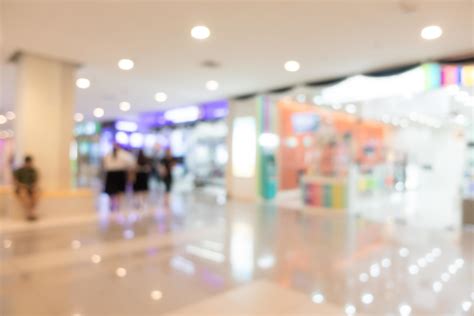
(44, 123)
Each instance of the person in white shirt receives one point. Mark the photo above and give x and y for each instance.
(117, 165)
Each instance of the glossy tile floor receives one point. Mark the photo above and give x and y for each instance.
(205, 256)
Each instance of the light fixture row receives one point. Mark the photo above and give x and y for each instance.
(202, 32)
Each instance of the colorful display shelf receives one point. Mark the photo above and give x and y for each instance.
(325, 192)
(437, 75)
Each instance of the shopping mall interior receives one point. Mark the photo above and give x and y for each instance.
(236, 158)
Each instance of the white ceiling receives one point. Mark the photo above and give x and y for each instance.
(250, 39)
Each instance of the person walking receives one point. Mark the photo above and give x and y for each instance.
(26, 187)
(166, 172)
(142, 175)
(117, 165)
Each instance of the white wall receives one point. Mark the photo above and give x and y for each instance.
(243, 188)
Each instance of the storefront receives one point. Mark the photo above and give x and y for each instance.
(344, 145)
(196, 136)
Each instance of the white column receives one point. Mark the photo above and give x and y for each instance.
(44, 123)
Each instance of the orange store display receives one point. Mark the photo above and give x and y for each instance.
(316, 141)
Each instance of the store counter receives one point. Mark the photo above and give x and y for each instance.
(329, 193)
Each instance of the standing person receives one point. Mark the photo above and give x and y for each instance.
(26, 187)
(166, 172)
(117, 165)
(142, 174)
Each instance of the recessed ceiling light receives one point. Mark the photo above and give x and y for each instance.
(10, 115)
(212, 85)
(200, 32)
(3, 119)
(83, 83)
(161, 97)
(431, 32)
(156, 295)
(121, 272)
(292, 66)
(126, 64)
(96, 258)
(125, 106)
(98, 112)
(78, 117)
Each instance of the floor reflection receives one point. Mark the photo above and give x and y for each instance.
(141, 262)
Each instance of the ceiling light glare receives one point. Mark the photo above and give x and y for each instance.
(126, 64)
(421, 262)
(466, 306)
(459, 263)
(3, 119)
(83, 83)
(403, 252)
(431, 32)
(200, 32)
(292, 66)
(98, 112)
(156, 295)
(367, 298)
(413, 269)
(212, 85)
(386, 263)
(374, 270)
(350, 309)
(125, 106)
(269, 140)
(437, 287)
(317, 298)
(121, 272)
(161, 97)
(404, 309)
(96, 259)
(363, 277)
(445, 277)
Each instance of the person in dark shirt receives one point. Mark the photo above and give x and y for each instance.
(142, 174)
(26, 187)
(166, 173)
